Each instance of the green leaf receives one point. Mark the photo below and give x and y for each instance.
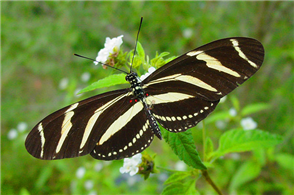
(235, 102)
(158, 61)
(44, 176)
(247, 172)
(208, 146)
(240, 141)
(177, 177)
(111, 80)
(217, 116)
(183, 146)
(180, 188)
(286, 161)
(170, 59)
(24, 191)
(254, 108)
(140, 50)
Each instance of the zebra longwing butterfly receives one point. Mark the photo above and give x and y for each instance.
(122, 123)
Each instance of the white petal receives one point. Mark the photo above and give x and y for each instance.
(134, 171)
(248, 123)
(12, 134)
(22, 126)
(80, 172)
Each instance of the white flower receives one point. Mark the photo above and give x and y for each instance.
(80, 172)
(22, 126)
(12, 134)
(150, 71)
(110, 46)
(131, 164)
(248, 123)
(235, 156)
(233, 112)
(187, 33)
(63, 83)
(88, 184)
(181, 166)
(220, 124)
(93, 193)
(85, 76)
(98, 166)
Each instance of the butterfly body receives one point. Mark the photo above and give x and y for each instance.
(122, 123)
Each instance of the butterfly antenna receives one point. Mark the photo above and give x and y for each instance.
(101, 63)
(136, 43)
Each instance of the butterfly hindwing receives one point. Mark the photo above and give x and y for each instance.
(134, 137)
(181, 115)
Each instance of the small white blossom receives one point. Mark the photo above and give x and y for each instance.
(131, 164)
(150, 71)
(85, 76)
(235, 156)
(80, 172)
(233, 112)
(88, 184)
(180, 166)
(63, 83)
(22, 126)
(93, 193)
(187, 33)
(12, 134)
(248, 123)
(162, 177)
(110, 46)
(98, 166)
(220, 124)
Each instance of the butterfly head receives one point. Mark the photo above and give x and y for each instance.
(132, 77)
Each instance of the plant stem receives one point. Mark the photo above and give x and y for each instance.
(207, 178)
(166, 169)
(203, 140)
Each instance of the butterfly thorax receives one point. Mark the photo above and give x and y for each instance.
(139, 94)
(133, 79)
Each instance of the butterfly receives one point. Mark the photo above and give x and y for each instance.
(121, 123)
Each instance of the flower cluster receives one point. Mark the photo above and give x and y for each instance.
(111, 46)
(13, 133)
(248, 123)
(131, 165)
(150, 70)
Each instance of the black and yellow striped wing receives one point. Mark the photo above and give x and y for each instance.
(184, 91)
(109, 126)
(121, 123)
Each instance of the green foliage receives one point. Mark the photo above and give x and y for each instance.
(109, 81)
(38, 40)
(180, 188)
(182, 144)
(239, 140)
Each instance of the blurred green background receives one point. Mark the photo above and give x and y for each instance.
(40, 75)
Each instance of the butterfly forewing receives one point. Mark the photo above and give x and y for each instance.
(184, 91)
(210, 71)
(75, 130)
